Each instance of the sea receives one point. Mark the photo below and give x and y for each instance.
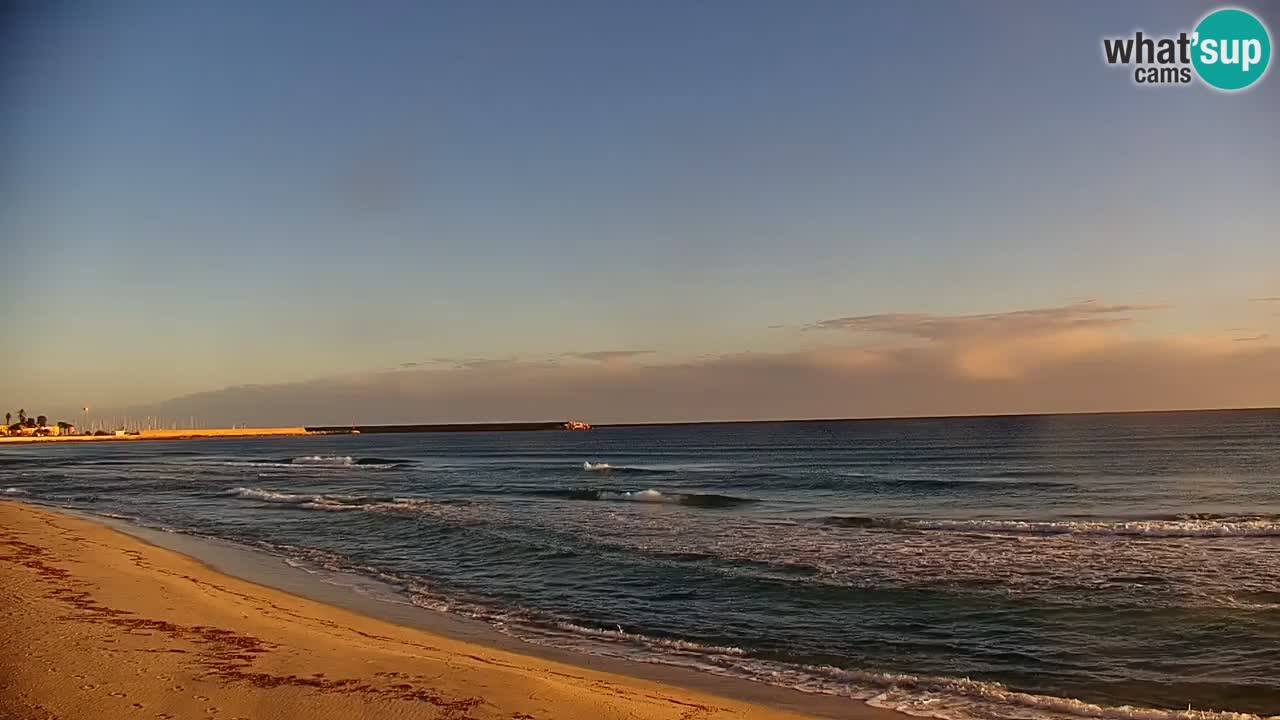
(1019, 568)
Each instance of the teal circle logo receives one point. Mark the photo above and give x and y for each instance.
(1230, 49)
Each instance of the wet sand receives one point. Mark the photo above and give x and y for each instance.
(97, 623)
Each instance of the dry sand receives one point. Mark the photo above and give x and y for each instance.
(98, 624)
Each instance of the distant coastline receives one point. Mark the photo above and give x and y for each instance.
(296, 431)
(451, 427)
(562, 425)
(186, 434)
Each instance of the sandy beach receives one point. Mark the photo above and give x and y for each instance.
(101, 624)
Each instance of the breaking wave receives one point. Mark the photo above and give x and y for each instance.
(946, 698)
(332, 501)
(705, 500)
(320, 462)
(943, 697)
(13, 491)
(342, 461)
(604, 467)
(916, 695)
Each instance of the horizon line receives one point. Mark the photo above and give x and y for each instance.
(865, 418)
(872, 418)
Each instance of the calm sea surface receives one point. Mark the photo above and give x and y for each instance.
(1030, 567)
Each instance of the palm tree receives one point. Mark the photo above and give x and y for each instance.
(8, 419)
(41, 421)
(22, 417)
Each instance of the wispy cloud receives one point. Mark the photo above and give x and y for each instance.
(1254, 338)
(1273, 299)
(1001, 345)
(486, 363)
(607, 356)
(929, 326)
(472, 363)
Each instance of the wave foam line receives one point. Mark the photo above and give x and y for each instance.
(940, 697)
(269, 496)
(684, 646)
(343, 461)
(921, 696)
(1229, 527)
(320, 461)
(604, 467)
(448, 512)
(329, 501)
(944, 698)
(652, 495)
(340, 460)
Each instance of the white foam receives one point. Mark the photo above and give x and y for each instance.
(463, 514)
(649, 495)
(13, 491)
(332, 506)
(1074, 569)
(392, 504)
(924, 696)
(920, 696)
(646, 496)
(653, 468)
(684, 646)
(1142, 528)
(951, 698)
(330, 460)
(965, 698)
(271, 496)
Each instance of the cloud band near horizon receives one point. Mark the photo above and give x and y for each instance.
(1071, 358)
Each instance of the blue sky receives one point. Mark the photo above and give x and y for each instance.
(205, 195)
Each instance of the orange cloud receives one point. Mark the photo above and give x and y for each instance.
(997, 346)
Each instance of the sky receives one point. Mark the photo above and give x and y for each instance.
(294, 212)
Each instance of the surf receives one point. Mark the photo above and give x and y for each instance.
(1190, 527)
(652, 495)
(608, 469)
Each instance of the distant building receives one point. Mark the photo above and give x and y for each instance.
(31, 428)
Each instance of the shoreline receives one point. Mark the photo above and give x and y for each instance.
(105, 570)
